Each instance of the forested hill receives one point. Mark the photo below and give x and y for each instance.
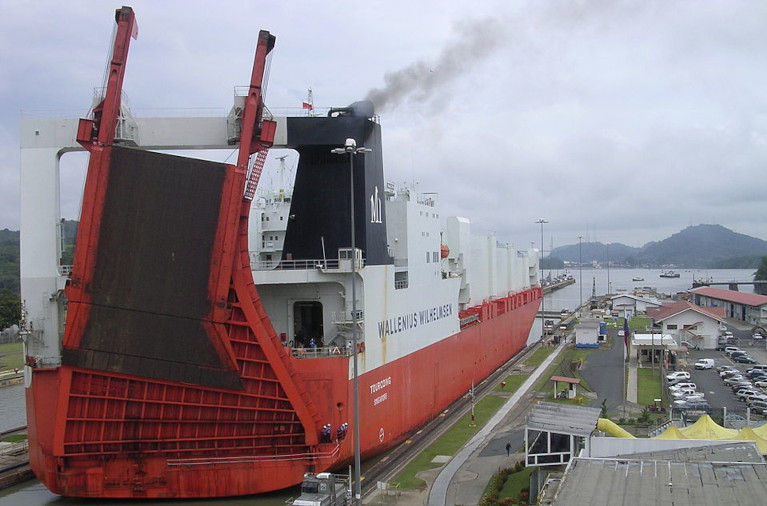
(699, 246)
(9, 261)
(9, 255)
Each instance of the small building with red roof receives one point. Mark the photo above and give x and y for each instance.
(747, 307)
(689, 324)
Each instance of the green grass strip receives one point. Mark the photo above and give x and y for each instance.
(649, 386)
(11, 356)
(450, 442)
(14, 438)
(513, 382)
(639, 323)
(539, 356)
(515, 483)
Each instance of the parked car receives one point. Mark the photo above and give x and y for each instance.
(734, 379)
(761, 383)
(757, 336)
(705, 363)
(723, 368)
(696, 397)
(743, 392)
(738, 353)
(741, 385)
(678, 374)
(698, 406)
(680, 386)
(681, 394)
(752, 397)
(745, 359)
(682, 403)
(758, 405)
(677, 381)
(729, 373)
(729, 349)
(761, 397)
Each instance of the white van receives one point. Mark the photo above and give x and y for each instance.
(705, 363)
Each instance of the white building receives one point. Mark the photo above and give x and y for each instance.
(748, 307)
(628, 305)
(652, 348)
(690, 325)
(587, 332)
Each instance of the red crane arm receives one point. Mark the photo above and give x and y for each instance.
(256, 133)
(101, 129)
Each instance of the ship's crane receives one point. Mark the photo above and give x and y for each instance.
(101, 128)
(257, 133)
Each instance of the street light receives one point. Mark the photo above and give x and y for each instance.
(609, 289)
(350, 146)
(580, 271)
(543, 297)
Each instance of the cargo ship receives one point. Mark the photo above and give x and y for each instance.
(204, 341)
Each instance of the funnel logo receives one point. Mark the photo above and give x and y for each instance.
(375, 207)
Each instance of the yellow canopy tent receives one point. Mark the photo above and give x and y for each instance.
(672, 432)
(706, 428)
(612, 428)
(748, 434)
(761, 431)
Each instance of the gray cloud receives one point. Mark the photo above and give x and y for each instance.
(623, 121)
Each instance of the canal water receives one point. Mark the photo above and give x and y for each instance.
(601, 281)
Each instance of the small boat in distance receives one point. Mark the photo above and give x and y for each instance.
(637, 279)
(669, 274)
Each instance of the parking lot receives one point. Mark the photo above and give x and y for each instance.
(708, 381)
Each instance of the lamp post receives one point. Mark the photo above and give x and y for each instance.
(350, 147)
(609, 289)
(580, 271)
(543, 297)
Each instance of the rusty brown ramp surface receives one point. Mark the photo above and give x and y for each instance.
(149, 292)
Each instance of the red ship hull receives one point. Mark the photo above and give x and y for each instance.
(176, 450)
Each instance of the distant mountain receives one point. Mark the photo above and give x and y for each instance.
(699, 246)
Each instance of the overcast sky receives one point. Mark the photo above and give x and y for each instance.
(618, 121)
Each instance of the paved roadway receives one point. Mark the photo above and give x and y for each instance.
(604, 372)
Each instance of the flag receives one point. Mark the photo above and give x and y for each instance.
(625, 336)
(307, 105)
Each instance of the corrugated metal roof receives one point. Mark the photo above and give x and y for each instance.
(595, 482)
(749, 299)
(563, 418)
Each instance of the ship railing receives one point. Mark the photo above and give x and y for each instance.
(322, 352)
(292, 265)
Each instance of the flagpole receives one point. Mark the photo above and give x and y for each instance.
(625, 357)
